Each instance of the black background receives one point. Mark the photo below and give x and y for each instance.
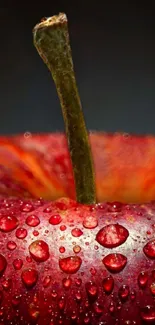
(113, 47)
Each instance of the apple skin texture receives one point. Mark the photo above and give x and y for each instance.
(66, 263)
(40, 166)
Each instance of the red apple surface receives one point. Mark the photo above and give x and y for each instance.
(40, 166)
(66, 263)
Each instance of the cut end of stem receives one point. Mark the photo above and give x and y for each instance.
(51, 21)
(51, 40)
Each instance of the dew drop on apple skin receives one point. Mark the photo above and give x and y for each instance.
(32, 221)
(47, 210)
(6, 284)
(39, 250)
(62, 303)
(78, 282)
(98, 309)
(3, 264)
(92, 290)
(17, 263)
(149, 249)
(67, 282)
(112, 235)
(76, 249)
(63, 227)
(21, 233)
(11, 245)
(35, 233)
(123, 292)
(26, 207)
(62, 249)
(152, 288)
(47, 280)
(34, 312)
(143, 279)
(111, 308)
(29, 277)
(108, 284)
(148, 314)
(55, 219)
(16, 300)
(115, 262)
(90, 222)
(78, 296)
(8, 223)
(70, 264)
(76, 232)
(133, 295)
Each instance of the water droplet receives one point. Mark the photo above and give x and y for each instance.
(152, 288)
(76, 232)
(39, 251)
(123, 292)
(112, 235)
(32, 221)
(108, 284)
(3, 264)
(111, 307)
(47, 210)
(98, 308)
(115, 262)
(55, 219)
(54, 294)
(8, 223)
(21, 233)
(29, 259)
(6, 284)
(62, 303)
(133, 295)
(16, 301)
(90, 222)
(78, 282)
(70, 264)
(66, 283)
(34, 311)
(143, 279)
(114, 206)
(35, 233)
(149, 249)
(11, 245)
(148, 314)
(27, 207)
(62, 227)
(47, 281)
(29, 277)
(93, 271)
(17, 263)
(76, 249)
(78, 296)
(86, 319)
(62, 249)
(92, 290)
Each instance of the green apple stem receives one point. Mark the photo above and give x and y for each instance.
(51, 39)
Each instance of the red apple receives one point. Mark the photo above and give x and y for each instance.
(66, 263)
(70, 262)
(124, 166)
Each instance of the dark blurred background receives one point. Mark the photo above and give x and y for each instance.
(113, 47)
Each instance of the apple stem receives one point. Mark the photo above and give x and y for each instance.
(51, 39)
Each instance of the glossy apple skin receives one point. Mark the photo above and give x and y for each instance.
(40, 166)
(69, 274)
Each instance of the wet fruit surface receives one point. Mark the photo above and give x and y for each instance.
(69, 264)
